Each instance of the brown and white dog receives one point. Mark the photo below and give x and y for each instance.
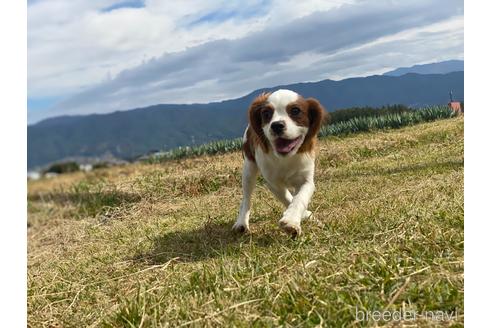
(280, 141)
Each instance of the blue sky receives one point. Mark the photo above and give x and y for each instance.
(221, 14)
(101, 56)
(124, 4)
(38, 104)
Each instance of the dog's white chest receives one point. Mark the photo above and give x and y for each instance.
(289, 171)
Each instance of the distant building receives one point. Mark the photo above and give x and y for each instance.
(454, 105)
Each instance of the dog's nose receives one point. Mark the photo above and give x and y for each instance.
(278, 127)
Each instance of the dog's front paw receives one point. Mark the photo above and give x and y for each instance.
(290, 227)
(239, 227)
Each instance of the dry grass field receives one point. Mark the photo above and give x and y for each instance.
(147, 245)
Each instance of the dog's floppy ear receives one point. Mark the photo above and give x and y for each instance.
(254, 116)
(254, 113)
(317, 116)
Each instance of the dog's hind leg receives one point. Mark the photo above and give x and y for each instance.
(285, 197)
(282, 193)
(307, 214)
(250, 171)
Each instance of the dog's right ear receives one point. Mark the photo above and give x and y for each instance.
(254, 117)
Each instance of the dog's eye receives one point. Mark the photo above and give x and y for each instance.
(295, 111)
(266, 114)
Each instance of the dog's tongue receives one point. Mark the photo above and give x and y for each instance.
(284, 146)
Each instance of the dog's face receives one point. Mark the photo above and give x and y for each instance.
(286, 121)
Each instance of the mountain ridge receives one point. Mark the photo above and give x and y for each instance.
(443, 67)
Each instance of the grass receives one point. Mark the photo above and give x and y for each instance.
(149, 245)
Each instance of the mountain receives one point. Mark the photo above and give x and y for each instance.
(126, 134)
(433, 68)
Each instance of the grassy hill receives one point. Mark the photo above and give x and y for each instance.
(145, 244)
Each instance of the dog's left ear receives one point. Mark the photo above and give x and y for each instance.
(317, 116)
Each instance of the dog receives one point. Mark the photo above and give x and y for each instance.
(280, 142)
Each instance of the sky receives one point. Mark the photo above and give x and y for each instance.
(100, 56)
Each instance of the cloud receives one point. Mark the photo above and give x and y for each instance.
(284, 44)
(74, 44)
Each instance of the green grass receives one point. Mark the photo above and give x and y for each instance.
(151, 244)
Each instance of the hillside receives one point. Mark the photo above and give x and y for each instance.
(135, 132)
(145, 244)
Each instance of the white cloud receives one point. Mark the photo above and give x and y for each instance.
(200, 51)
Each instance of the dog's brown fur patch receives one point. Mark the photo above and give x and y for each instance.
(254, 135)
(316, 115)
(249, 145)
